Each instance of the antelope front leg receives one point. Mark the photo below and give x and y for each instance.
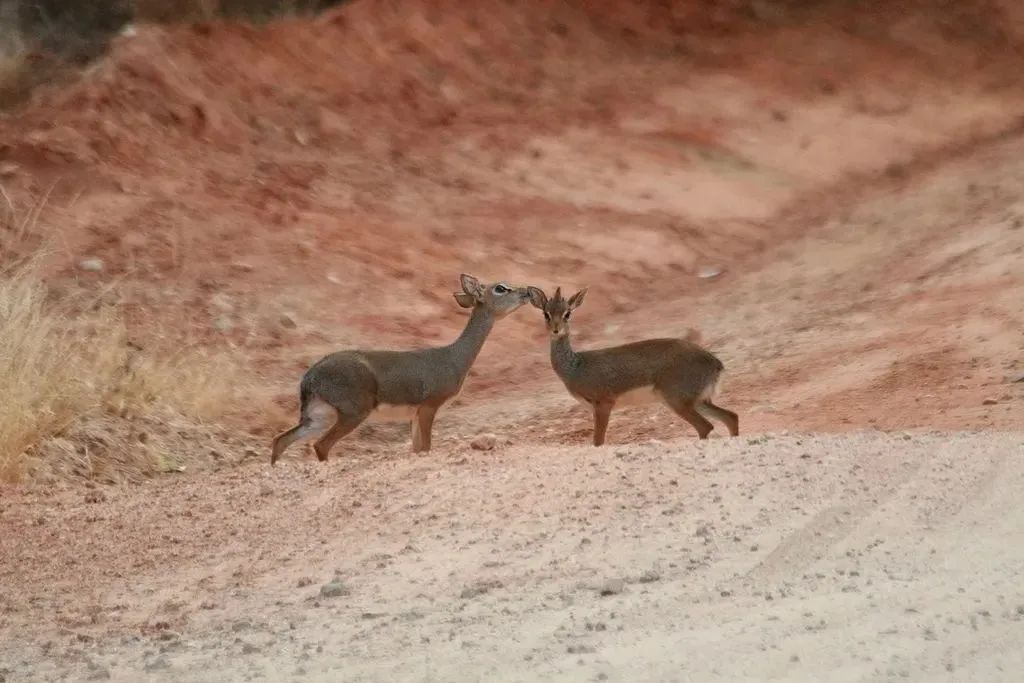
(602, 411)
(422, 426)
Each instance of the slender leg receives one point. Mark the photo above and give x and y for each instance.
(344, 425)
(730, 419)
(422, 426)
(684, 409)
(602, 411)
(287, 438)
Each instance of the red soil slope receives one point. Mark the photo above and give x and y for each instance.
(341, 172)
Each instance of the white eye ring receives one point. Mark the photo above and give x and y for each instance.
(501, 289)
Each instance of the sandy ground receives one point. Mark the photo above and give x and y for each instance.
(863, 556)
(859, 190)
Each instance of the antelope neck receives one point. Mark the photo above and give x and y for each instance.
(464, 350)
(563, 358)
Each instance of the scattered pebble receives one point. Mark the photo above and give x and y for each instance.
(989, 402)
(649, 576)
(158, 664)
(478, 589)
(222, 302)
(223, 324)
(612, 587)
(91, 264)
(708, 272)
(484, 442)
(334, 589)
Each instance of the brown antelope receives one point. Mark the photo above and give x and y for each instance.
(676, 372)
(345, 388)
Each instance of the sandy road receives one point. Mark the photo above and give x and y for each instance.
(854, 557)
(814, 554)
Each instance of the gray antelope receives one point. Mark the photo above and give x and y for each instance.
(676, 372)
(345, 388)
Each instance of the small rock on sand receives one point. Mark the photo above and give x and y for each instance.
(612, 587)
(334, 589)
(91, 264)
(484, 442)
(223, 324)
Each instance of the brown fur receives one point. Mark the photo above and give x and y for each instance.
(356, 383)
(678, 372)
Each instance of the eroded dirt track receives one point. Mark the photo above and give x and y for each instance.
(868, 218)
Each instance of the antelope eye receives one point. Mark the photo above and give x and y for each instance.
(567, 314)
(547, 316)
(501, 289)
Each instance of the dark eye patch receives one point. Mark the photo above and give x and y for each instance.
(501, 289)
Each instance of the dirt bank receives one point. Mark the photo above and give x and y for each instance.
(854, 175)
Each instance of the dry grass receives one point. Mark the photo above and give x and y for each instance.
(67, 367)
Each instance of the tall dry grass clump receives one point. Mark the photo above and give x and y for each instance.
(67, 366)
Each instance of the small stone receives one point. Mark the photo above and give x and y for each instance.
(484, 442)
(158, 664)
(286, 321)
(334, 589)
(223, 324)
(305, 581)
(708, 272)
(649, 576)
(222, 302)
(612, 587)
(91, 264)
(249, 648)
(95, 497)
(266, 491)
(478, 589)
(242, 266)
(1014, 379)
(989, 402)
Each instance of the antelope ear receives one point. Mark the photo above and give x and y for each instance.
(576, 300)
(471, 286)
(464, 300)
(537, 297)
